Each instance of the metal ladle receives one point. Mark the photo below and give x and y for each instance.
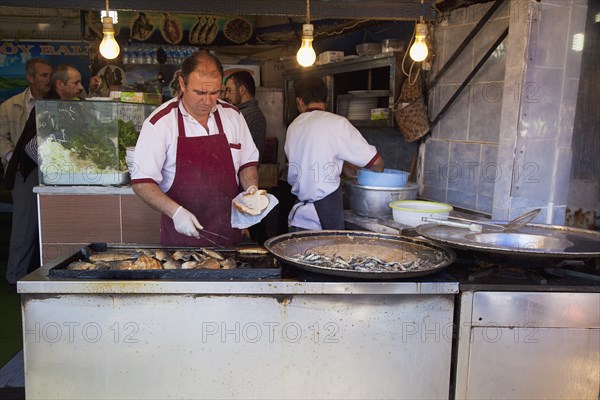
(521, 220)
(477, 226)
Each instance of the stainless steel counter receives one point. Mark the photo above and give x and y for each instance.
(290, 338)
(518, 338)
(270, 339)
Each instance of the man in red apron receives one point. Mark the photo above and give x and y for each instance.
(192, 154)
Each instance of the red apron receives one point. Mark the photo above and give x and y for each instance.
(205, 185)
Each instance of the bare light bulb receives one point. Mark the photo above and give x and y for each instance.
(418, 50)
(109, 48)
(306, 55)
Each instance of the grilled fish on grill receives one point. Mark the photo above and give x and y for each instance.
(172, 264)
(147, 259)
(210, 263)
(253, 250)
(124, 265)
(212, 253)
(189, 265)
(181, 255)
(228, 263)
(81, 266)
(145, 262)
(162, 255)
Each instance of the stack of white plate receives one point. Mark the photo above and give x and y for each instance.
(342, 107)
(359, 108)
(129, 160)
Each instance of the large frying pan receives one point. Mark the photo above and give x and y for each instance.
(289, 247)
(534, 245)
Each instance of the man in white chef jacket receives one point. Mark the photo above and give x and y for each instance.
(317, 145)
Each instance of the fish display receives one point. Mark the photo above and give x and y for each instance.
(204, 31)
(141, 27)
(171, 29)
(238, 30)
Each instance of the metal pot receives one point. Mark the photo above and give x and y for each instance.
(370, 201)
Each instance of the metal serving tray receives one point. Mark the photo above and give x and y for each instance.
(533, 240)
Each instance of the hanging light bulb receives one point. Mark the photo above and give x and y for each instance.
(418, 50)
(306, 55)
(109, 48)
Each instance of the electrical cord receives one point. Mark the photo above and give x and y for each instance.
(411, 65)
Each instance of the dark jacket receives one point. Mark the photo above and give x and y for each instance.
(20, 161)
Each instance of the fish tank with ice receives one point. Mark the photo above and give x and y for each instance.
(85, 142)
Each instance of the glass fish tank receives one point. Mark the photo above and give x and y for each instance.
(85, 142)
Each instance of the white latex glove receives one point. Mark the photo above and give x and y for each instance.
(186, 223)
(251, 189)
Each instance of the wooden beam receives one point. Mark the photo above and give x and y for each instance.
(449, 5)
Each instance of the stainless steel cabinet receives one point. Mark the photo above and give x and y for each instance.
(236, 340)
(526, 345)
(381, 72)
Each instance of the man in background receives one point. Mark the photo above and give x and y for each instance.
(66, 85)
(21, 175)
(15, 111)
(318, 144)
(13, 115)
(240, 91)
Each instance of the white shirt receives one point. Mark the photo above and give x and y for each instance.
(317, 144)
(156, 149)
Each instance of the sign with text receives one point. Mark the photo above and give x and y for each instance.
(14, 54)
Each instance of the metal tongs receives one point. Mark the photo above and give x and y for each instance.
(212, 233)
(477, 226)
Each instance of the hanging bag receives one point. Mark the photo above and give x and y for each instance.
(412, 118)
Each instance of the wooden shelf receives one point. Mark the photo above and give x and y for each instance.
(380, 72)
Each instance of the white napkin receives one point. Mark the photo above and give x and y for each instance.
(242, 220)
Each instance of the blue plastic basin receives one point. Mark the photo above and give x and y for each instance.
(387, 178)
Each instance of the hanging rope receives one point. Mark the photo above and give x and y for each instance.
(307, 11)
